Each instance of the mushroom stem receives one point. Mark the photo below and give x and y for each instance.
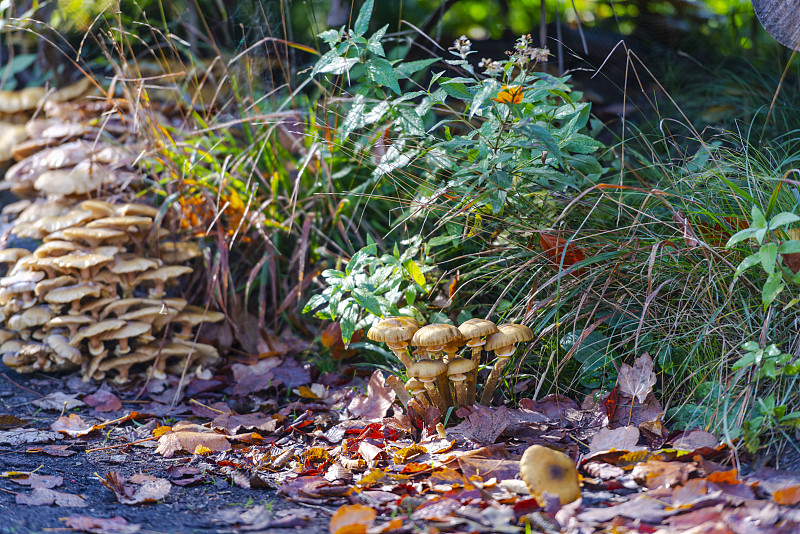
(444, 389)
(494, 378)
(460, 387)
(434, 395)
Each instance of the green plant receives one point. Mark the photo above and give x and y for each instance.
(385, 285)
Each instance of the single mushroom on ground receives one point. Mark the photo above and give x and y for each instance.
(457, 371)
(427, 372)
(396, 332)
(547, 471)
(503, 343)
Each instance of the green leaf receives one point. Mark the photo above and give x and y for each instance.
(748, 262)
(381, 72)
(348, 322)
(411, 67)
(355, 117)
(476, 106)
(335, 64)
(768, 254)
(314, 302)
(415, 272)
(361, 258)
(374, 43)
(772, 288)
(368, 301)
(497, 199)
(782, 219)
(741, 235)
(581, 144)
(331, 37)
(362, 22)
(789, 247)
(758, 218)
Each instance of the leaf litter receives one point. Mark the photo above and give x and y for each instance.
(350, 451)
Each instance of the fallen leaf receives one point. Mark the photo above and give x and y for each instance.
(352, 519)
(637, 381)
(623, 438)
(103, 400)
(643, 508)
(561, 253)
(482, 424)
(73, 426)
(695, 439)
(655, 473)
(188, 441)
(46, 497)
(788, 496)
(39, 481)
(53, 450)
(376, 402)
(138, 488)
(20, 436)
(11, 421)
(58, 401)
(97, 525)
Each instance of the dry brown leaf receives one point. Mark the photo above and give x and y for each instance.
(11, 421)
(46, 497)
(376, 402)
(637, 381)
(52, 450)
(695, 439)
(352, 519)
(623, 438)
(188, 441)
(39, 481)
(788, 496)
(655, 473)
(73, 426)
(103, 400)
(482, 424)
(97, 525)
(137, 489)
(58, 401)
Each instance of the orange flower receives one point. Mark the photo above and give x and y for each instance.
(509, 94)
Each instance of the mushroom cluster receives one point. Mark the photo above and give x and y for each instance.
(86, 298)
(437, 375)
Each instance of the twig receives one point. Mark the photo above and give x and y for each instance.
(22, 387)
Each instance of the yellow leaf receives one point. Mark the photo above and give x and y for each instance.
(201, 449)
(416, 273)
(352, 519)
(407, 453)
(306, 393)
(160, 431)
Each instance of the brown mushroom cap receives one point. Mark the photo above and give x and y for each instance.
(83, 178)
(56, 248)
(12, 255)
(134, 209)
(474, 329)
(94, 236)
(460, 366)
(162, 274)
(121, 306)
(67, 294)
(546, 470)
(30, 318)
(130, 263)
(434, 335)
(121, 222)
(178, 252)
(94, 330)
(427, 370)
(72, 322)
(46, 286)
(128, 330)
(393, 330)
(82, 261)
(98, 208)
(414, 386)
(61, 347)
(507, 335)
(59, 222)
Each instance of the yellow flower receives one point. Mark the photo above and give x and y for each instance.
(509, 94)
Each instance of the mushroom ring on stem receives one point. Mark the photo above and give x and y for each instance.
(503, 343)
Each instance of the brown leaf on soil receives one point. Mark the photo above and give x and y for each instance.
(46, 497)
(331, 338)
(695, 439)
(11, 421)
(488, 468)
(482, 423)
(555, 407)
(623, 438)
(655, 473)
(188, 441)
(637, 381)
(103, 400)
(352, 519)
(137, 489)
(788, 496)
(53, 450)
(376, 402)
(39, 481)
(73, 426)
(98, 525)
(58, 401)
(630, 412)
(644, 508)
(233, 422)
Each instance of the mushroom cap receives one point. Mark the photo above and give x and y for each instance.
(460, 366)
(546, 470)
(427, 370)
(82, 260)
(414, 385)
(98, 208)
(92, 235)
(393, 329)
(132, 264)
(178, 252)
(5, 335)
(121, 221)
(130, 329)
(12, 255)
(55, 248)
(36, 316)
(12, 345)
(94, 330)
(33, 264)
(162, 274)
(128, 359)
(21, 277)
(134, 209)
(507, 335)
(66, 294)
(195, 315)
(121, 306)
(68, 320)
(175, 303)
(61, 347)
(59, 222)
(435, 334)
(472, 328)
(203, 351)
(46, 286)
(83, 178)
(155, 315)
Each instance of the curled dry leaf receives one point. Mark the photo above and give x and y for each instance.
(73, 426)
(137, 489)
(351, 519)
(376, 402)
(188, 441)
(47, 497)
(637, 381)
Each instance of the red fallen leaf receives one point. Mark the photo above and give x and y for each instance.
(103, 400)
(525, 506)
(97, 525)
(352, 519)
(554, 248)
(788, 496)
(331, 339)
(611, 401)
